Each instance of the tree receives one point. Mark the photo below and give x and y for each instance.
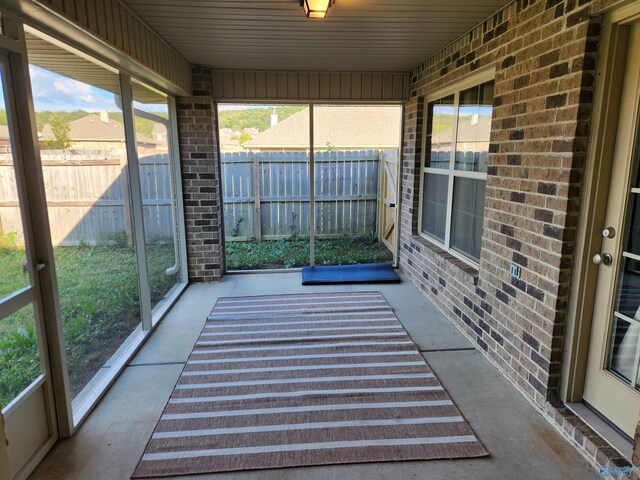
(244, 137)
(60, 129)
(258, 118)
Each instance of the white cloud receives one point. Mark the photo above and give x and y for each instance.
(78, 90)
(56, 92)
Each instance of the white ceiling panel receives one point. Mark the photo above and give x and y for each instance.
(357, 35)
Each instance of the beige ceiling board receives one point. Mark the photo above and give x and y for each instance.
(53, 58)
(112, 32)
(356, 35)
(310, 86)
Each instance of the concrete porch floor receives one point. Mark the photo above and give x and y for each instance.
(521, 443)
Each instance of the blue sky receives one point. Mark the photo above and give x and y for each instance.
(464, 110)
(54, 92)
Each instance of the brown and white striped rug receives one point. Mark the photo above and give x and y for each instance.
(311, 379)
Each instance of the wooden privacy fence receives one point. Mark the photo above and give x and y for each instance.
(266, 194)
(88, 197)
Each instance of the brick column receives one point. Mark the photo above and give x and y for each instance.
(197, 131)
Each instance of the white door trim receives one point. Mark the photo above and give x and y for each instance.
(610, 102)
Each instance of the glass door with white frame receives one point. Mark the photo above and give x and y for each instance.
(612, 384)
(25, 385)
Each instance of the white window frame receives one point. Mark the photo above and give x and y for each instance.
(451, 173)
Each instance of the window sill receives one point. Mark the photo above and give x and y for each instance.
(466, 270)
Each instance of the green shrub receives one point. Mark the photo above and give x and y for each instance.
(294, 252)
(20, 363)
(235, 232)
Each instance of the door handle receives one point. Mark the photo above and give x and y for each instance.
(609, 232)
(606, 258)
(39, 266)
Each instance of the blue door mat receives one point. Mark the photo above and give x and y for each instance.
(369, 273)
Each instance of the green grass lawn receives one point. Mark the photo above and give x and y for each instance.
(99, 302)
(99, 297)
(294, 252)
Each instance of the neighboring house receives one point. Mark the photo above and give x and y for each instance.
(471, 135)
(340, 127)
(98, 131)
(471, 142)
(230, 139)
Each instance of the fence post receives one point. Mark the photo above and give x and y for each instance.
(126, 199)
(256, 197)
(382, 177)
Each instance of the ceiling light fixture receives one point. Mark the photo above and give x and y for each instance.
(316, 8)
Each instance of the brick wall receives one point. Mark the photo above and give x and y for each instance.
(543, 52)
(197, 133)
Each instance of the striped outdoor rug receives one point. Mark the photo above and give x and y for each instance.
(311, 379)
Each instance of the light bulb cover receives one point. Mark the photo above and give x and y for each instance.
(316, 8)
